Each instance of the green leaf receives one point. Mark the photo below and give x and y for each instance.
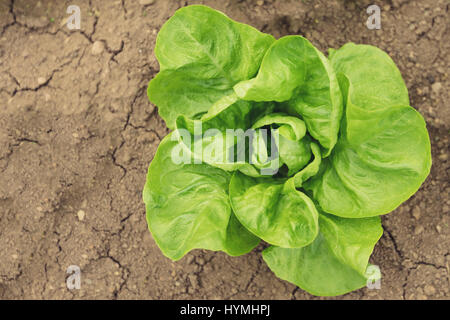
(265, 151)
(214, 138)
(335, 263)
(311, 169)
(377, 83)
(293, 147)
(293, 70)
(188, 207)
(177, 93)
(202, 54)
(294, 154)
(293, 127)
(383, 154)
(274, 210)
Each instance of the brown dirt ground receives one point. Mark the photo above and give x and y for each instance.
(77, 133)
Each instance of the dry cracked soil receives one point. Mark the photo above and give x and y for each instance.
(77, 133)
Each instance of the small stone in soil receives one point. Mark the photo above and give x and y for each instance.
(146, 2)
(418, 230)
(81, 214)
(436, 87)
(97, 48)
(41, 80)
(416, 213)
(429, 290)
(443, 157)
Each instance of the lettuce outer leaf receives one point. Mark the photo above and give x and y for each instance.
(383, 154)
(274, 210)
(295, 72)
(177, 93)
(202, 54)
(188, 207)
(335, 263)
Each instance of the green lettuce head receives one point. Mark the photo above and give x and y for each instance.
(329, 145)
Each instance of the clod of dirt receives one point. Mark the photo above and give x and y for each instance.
(416, 213)
(97, 48)
(41, 80)
(436, 87)
(81, 214)
(429, 290)
(146, 2)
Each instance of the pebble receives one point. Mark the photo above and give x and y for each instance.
(260, 2)
(443, 156)
(416, 213)
(39, 215)
(408, 263)
(126, 158)
(41, 80)
(193, 279)
(81, 214)
(418, 230)
(97, 48)
(190, 259)
(436, 87)
(429, 290)
(146, 2)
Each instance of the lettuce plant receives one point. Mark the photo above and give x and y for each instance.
(350, 148)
